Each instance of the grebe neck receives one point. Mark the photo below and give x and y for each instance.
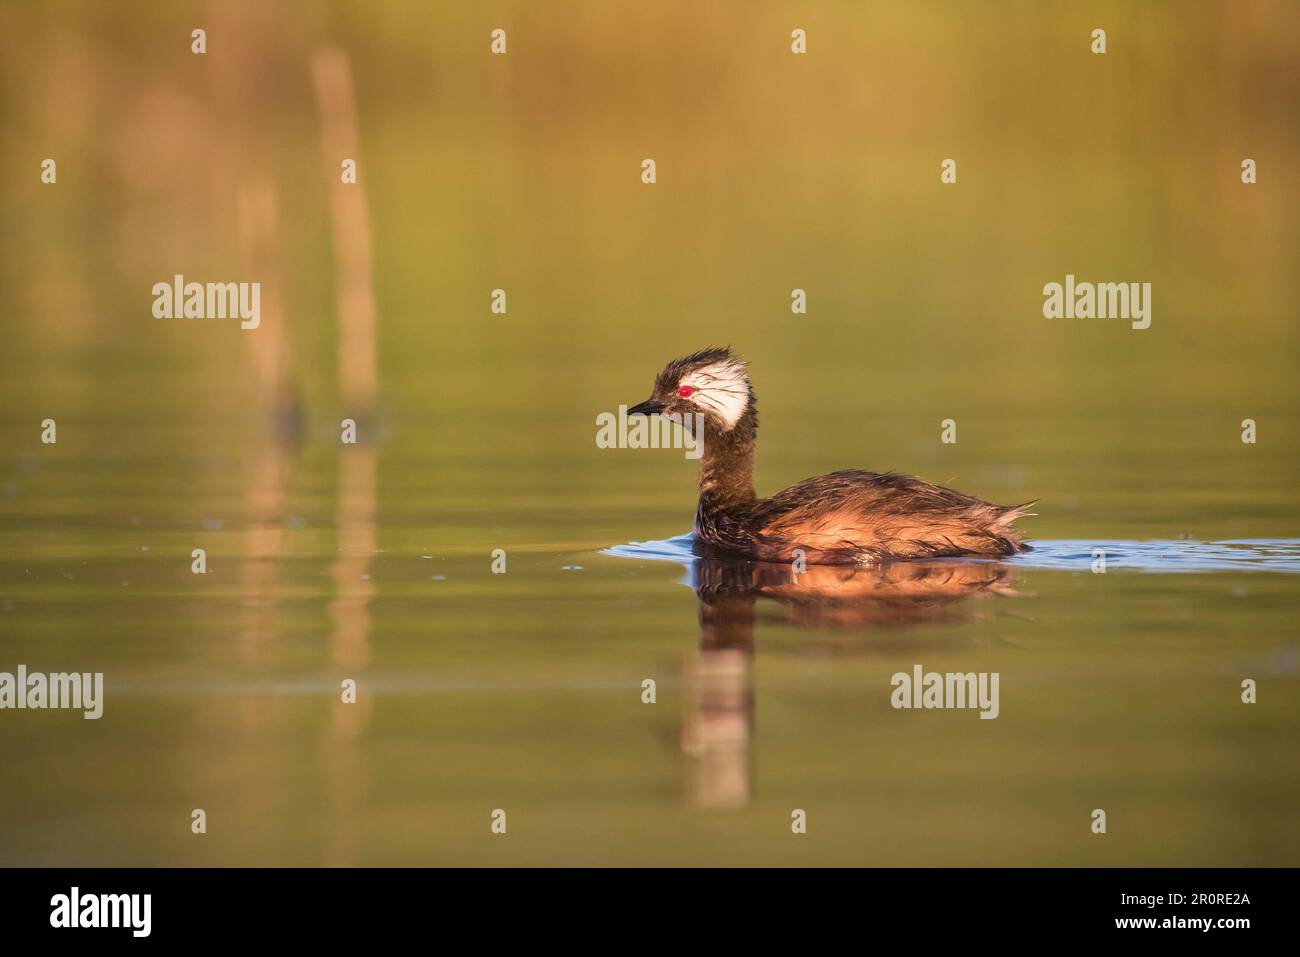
(727, 467)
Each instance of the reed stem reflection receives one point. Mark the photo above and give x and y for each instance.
(720, 694)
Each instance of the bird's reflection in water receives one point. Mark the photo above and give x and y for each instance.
(719, 682)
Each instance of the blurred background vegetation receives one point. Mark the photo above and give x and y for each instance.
(776, 171)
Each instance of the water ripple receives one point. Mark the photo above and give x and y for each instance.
(1172, 555)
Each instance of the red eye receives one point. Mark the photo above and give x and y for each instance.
(685, 391)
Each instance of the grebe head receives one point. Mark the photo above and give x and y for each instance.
(713, 382)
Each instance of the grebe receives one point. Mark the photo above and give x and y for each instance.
(835, 519)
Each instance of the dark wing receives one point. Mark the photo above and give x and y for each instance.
(882, 516)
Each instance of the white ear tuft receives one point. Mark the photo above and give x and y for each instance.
(721, 388)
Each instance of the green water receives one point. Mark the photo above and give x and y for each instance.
(523, 691)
